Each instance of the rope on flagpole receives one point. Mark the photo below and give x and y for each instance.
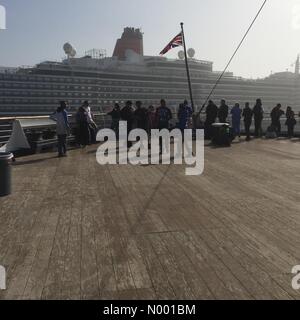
(234, 54)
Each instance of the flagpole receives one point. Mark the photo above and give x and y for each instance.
(187, 68)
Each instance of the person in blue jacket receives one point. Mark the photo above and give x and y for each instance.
(185, 113)
(236, 114)
(62, 127)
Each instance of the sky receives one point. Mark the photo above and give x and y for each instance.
(37, 29)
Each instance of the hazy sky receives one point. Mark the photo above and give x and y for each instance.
(37, 30)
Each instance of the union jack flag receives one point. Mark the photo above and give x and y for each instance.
(176, 42)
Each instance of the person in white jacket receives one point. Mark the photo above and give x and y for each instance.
(62, 128)
(92, 123)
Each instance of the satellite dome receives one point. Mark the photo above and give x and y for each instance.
(69, 50)
(181, 55)
(191, 53)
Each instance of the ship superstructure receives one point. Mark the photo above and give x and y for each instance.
(131, 75)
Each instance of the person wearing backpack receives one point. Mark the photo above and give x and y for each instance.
(163, 115)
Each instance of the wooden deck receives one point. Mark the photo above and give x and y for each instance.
(75, 230)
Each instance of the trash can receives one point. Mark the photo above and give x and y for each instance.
(5, 173)
(221, 134)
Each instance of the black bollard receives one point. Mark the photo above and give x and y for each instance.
(5, 173)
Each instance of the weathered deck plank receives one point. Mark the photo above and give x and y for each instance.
(75, 230)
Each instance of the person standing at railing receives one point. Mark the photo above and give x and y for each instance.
(62, 128)
(115, 118)
(275, 117)
(92, 124)
(258, 112)
(140, 116)
(211, 117)
(151, 119)
(184, 115)
(83, 132)
(127, 115)
(236, 114)
(248, 115)
(290, 121)
(223, 112)
(164, 116)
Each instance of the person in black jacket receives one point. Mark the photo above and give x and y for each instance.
(140, 116)
(290, 121)
(248, 115)
(258, 113)
(223, 112)
(275, 116)
(211, 117)
(163, 116)
(83, 137)
(115, 117)
(128, 115)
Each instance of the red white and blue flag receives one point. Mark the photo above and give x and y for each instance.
(176, 42)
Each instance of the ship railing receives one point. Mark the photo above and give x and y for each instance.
(266, 123)
(41, 130)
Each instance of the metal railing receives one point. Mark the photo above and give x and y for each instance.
(43, 128)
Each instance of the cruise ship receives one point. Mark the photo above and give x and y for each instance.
(131, 75)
